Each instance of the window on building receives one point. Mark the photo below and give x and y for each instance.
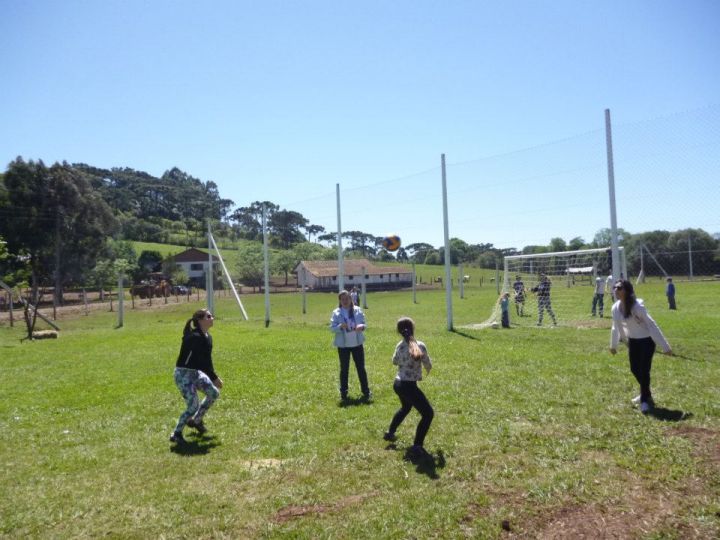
(367, 276)
(350, 277)
(397, 276)
(196, 266)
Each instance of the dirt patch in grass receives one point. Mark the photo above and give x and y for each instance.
(293, 511)
(706, 442)
(639, 509)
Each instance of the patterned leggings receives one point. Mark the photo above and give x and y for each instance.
(189, 381)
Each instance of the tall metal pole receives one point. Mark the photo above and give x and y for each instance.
(121, 301)
(448, 271)
(611, 193)
(341, 267)
(413, 283)
(461, 281)
(266, 266)
(210, 285)
(690, 256)
(302, 284)
(363, 288)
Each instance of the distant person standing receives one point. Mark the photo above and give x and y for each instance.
(632, 324)
(543, 295)
(670, 293)
(505, 309)
(354, 296)
(609, 287)
(519, 288)
(598, 296)
(348, 324)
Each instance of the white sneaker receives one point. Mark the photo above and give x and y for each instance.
(645, 407)
(636, 400)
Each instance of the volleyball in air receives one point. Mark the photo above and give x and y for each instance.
(391, 242)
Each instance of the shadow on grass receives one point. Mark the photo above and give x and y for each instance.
(669, 415)
(354, 402)
(465, 334)
(195, 447)
(426, 463)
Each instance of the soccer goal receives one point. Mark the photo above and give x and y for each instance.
(561, 283)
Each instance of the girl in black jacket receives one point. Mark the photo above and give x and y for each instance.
(194, 371)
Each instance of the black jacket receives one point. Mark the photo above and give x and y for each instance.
(196, 353)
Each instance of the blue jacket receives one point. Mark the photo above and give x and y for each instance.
(337, 319)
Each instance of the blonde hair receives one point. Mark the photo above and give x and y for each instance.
(406, 328)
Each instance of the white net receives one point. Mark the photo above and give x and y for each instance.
(562, 288)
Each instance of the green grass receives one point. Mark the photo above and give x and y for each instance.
(533, 426)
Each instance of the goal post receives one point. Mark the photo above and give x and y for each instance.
(562, 283)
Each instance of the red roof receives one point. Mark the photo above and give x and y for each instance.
(192, 255)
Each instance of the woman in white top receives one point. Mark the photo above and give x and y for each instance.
(348, 324)
(633, 324)
(410, 356)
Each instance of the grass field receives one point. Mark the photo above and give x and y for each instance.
(534, 434)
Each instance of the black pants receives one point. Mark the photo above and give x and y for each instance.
(641, 355)
(671, 302)
(358, 356)
(411, 396)
(506, 319)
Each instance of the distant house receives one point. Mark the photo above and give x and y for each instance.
(323, 275)
(195, 263)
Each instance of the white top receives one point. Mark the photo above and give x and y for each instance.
(599, 286)
(637, 326)
(410, 369)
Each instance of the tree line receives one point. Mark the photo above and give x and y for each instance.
(70, 224)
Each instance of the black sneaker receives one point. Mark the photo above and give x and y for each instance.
(177, 437)
(199, 426)
(368, 396)
(390, 436)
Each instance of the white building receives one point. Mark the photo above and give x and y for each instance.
(195, 263)
(323, 275)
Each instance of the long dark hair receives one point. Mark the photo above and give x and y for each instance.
(406, 328)
(351, 311)
(630, 299)
(192, 323)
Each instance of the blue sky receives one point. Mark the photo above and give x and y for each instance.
(281, 101)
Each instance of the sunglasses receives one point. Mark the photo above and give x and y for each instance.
(618, 287)
(209, 316)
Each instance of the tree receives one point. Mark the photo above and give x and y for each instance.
(418, 251)
(704, 249)
(432, 257)
(557, 244)
(249, 218)
(329, 237)
(251, 264)
(55, 217)
(150, 261)
(285, 225)
(576, 244)
(603, 236)
(314, 230)
(308, 251)
(285, 261)
(362, 242)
